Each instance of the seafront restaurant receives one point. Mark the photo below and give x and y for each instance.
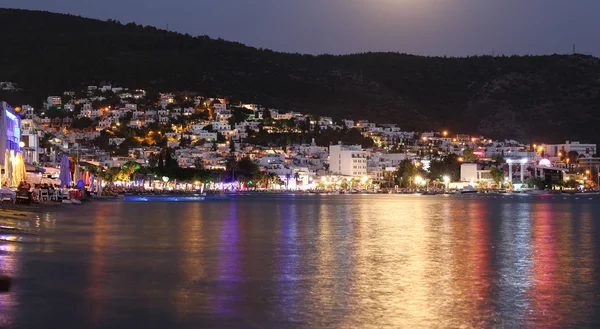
(550, 173)
(10, 131)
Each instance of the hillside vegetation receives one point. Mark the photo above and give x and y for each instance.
(535, 98)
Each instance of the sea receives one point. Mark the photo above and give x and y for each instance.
(308, 261)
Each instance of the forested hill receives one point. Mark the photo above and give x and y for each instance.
(550, 98)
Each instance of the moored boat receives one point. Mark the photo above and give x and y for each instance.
(468, 190)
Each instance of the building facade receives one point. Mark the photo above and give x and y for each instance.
(554, 150)
(10, 128)
(347, 160)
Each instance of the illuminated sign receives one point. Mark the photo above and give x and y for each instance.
(545, 163)
(10, 115)
(479, 154)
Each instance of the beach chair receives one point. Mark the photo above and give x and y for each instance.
(23, 197)
(44, 195)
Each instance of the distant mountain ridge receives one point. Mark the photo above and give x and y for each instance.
(534, 98)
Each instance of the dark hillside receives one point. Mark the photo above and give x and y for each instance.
(534, 97)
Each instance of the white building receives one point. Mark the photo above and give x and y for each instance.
(206, 135)
(10, 128)
(31, 141)
(553, 150)
(28, 112)
(53, 101)
(219, 126)
(470, 172)
(188, 111)
(219, 107)
(347, 160)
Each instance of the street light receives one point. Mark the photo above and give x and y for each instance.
(418, 180)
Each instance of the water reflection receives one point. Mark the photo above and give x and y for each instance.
(229, 262)
(8, 266)
(311, 262)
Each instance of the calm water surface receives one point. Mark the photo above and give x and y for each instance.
(348, 261)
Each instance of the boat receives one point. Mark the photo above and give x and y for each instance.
(585, 192)
(468, 190)
(533, 191)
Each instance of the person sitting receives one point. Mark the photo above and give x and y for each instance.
(35, 193)
(23, 194)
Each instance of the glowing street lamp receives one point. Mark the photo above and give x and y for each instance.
(446, 179)
(445, 133)
(418, 180)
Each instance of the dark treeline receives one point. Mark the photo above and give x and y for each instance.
(531, 97)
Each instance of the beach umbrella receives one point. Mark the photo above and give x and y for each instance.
(99, 185)
(16, 171)
(92, 183)
(19, 170)
(76, 174)
(65, 172)
(23, 166)
(7, 168)
(86, 177)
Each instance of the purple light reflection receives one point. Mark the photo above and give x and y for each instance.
(288, 262)
(10, 268)
(229, 263)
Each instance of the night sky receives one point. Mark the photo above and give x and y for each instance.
(425, 27)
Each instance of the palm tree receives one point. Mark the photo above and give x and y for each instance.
(273, 179)
(296, 178)
(287, 180)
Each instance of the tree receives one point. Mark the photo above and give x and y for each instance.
(571, 183)
(238, 115)
(128, 169)
(446, 166)
(82, 123)
(498, 159)
(406, 172)
(296, 178)
(247, 169)
(184, 141)
(266, 115)
(161, 161)
(497, 175)
(468, 155)
(199, 163)
(220, 138)
(153, 160)
(170, 161)
(231, 146)
(536, 182)
(573, 157)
